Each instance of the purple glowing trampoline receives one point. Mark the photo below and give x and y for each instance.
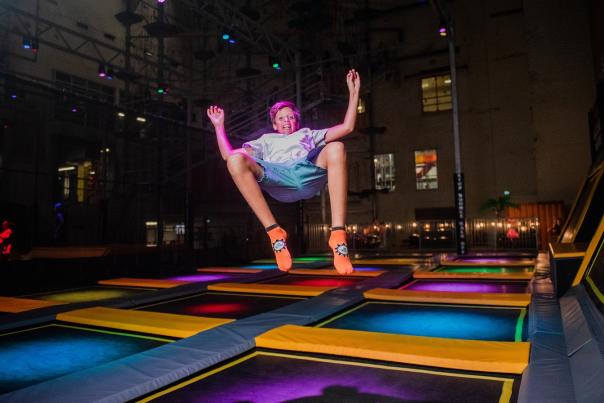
(269, 377)
(482, 286)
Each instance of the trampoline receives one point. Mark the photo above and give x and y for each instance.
(208, 277)
(477, 286)
(314, 281)
(485, 269)
(269, 376)
(222, 305)
(434, 320)
(87, 294)
(34, 355)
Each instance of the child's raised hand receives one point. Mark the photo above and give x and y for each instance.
(216, 115)
(353, 80)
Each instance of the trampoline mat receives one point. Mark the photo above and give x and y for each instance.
(95, 293)
(207, 277)
(482, 269)
(483, 286)
(35, 355)
(315, 281)
(268, 377)
(223, 305)
(435, 320)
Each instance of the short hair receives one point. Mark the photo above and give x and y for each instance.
(283, 104)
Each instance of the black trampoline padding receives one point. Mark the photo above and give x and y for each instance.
(31, 356)
(270, 377)
(223, 305)
(315, 281)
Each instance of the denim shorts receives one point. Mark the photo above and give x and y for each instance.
(292, 182)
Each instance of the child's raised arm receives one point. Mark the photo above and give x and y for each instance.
(216, 115)
(353, 81)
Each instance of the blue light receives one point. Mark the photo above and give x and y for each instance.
(226, 37)
(232, 40)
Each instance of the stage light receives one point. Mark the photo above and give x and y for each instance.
(34, 45)
(162, 88)
(121, 115)
(102, 71)
(13, 95)
(141, 119)
(275, 63)
(442, 30)
(27, 42)
(109, 74)
(74, 109)
(161, 1)
(229, 37)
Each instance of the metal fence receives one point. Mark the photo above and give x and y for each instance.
(491, 234)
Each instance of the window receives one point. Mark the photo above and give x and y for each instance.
(436, 93)
(426, 174)
(384, 171)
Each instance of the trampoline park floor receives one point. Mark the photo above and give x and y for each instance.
(469, 322)
(223, 304)
(478, 286)
(275, 376)
(92, 293)
(33, 355)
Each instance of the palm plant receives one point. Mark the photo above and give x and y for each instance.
(499, 204)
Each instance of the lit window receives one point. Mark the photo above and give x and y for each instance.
(426, 174)
(384, 171)
(436, 93)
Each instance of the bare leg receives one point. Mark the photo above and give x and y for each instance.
(333, 158)
(245, 172)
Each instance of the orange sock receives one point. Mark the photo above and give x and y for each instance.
(337, 242)
(278, 238)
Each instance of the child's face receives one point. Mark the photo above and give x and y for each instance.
(285, 121)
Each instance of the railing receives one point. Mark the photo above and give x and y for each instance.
(491, 234)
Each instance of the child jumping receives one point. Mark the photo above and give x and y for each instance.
(293, 164)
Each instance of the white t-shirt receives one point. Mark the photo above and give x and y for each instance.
(284, 148)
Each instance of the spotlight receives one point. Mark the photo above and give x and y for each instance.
(162, 88)
(141, 119)
(275, 63)
(13, 95)
(74, 109)
(161, 1)
(442, 30)
(121, 115)
(109, 74)
(102, 71)
(34, 45)
(229, 37)
(27, 42)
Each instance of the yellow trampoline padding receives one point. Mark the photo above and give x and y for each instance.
(435, 275)
(466, 298)
(469, 355)
(567, 250)
(393, 261)
(228, 270)
(516, 263)
(143, 282)
(165, 324)
(333, 272)
(281, 289)
(16, 305)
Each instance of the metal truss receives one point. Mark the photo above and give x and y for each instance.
(225, 15)
(76, 43)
